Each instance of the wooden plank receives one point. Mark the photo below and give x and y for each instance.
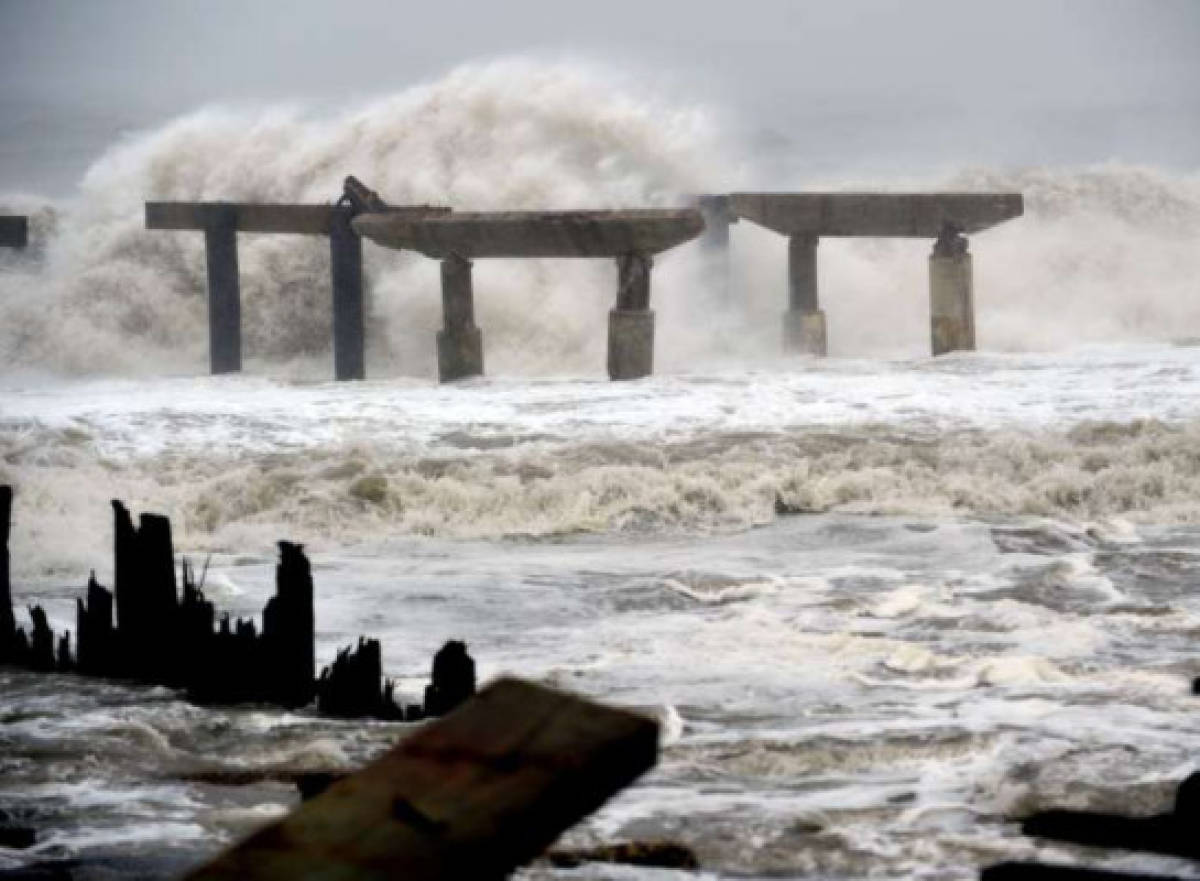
(472, 796)
(14, 231)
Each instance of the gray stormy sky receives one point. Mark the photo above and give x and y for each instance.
(840, 85)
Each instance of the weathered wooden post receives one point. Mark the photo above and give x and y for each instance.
(804, 322)
(951, 294)
(460, 342)
(346, 270)
(453, 679)
(94, 644)
(224, 290)
(631, 323)
(288, 630)
(41, 642)
(146, 600)
(8, 624)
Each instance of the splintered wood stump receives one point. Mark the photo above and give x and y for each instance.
(472, 796)
(94, 645)
(352, 687)
(288, 631)
(146, 599)
(453, 679)
(41, 642)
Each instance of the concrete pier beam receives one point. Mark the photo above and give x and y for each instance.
(631, 323)
(224, 292)
(460, 342)
(346, 270)
(714, 246)
(951, 295)
(804, 322)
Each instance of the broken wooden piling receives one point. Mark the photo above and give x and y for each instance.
(453, 679)
(8, 624)
(164, 636)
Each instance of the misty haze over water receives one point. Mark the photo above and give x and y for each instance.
(873, 86)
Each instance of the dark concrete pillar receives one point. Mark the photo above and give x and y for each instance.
(460, 342)
(346, 271)
(951, 296)
(714, 245)
(631, 323)
(804, 322)
(224, 293)
(14, 232)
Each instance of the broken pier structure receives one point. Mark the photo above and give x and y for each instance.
(222, 221)
(631, 237)
(805, 218)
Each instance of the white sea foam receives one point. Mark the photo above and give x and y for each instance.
(238, 463)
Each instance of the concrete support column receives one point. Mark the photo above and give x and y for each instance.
(346, 271)
(14, 232)
(460, 342)
(631, 323)
(804, 322)
(224, 293)
(714, 246)
(951, 296)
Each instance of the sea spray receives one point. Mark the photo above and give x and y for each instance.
(508, 135)
(1102, 254)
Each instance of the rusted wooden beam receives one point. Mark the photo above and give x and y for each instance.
(473, 795)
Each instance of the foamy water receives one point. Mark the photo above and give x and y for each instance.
(983, 606)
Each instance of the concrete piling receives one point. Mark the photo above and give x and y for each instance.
(346, 270)
(224, 293)
(630, 236)
(631, 323)
(460, 342)
(807, 217)
(804, 322)
(951, 295)
(14, 231)
(714, 246)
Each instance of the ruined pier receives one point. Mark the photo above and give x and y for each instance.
(805, 218)
(630, 237)
(14, 231)
(222, 221)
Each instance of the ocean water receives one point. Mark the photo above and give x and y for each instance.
(984, 608)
